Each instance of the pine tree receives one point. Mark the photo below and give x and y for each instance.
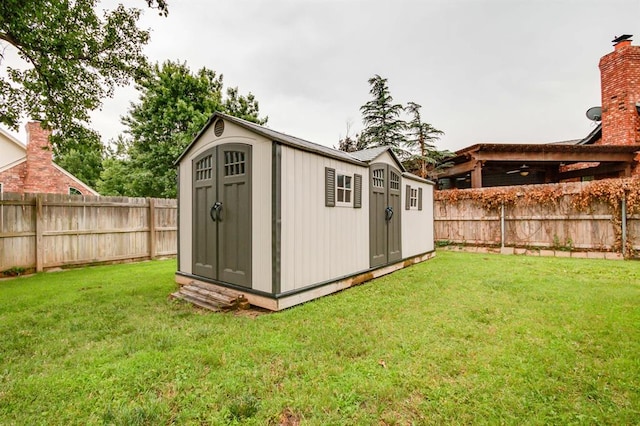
(381, 118)
(420, 143)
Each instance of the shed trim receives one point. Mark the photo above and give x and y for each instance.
(276, 217)
(275, 136)
(306, 288)
(417, 178)
(178, 218)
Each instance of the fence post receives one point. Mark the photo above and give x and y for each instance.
(502, 226)
(152, 228)
(624, 224)
(39, 232)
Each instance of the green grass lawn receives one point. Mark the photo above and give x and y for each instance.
(463, 338)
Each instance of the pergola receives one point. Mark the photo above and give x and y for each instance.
(485, 165)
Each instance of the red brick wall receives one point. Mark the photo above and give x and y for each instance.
(38, 174)
(620, 82)
(39, 160)
(12, 180)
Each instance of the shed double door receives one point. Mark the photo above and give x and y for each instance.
(384, 214)
(222, 214)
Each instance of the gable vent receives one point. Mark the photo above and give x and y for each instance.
(218, 127)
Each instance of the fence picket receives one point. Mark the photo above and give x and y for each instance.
(44, 231)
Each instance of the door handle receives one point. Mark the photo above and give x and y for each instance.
(217, 206)
(388, 213)
(212, 212)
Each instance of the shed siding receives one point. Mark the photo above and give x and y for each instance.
(261, 200)
(417, 225)
(386, 158)
(319, 243)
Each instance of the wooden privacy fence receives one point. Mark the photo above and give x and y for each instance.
(43, 231)
(558, 225)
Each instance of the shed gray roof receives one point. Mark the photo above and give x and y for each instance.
(283, 138)
(370, 154)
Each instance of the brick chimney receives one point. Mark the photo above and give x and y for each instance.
(620, 82)
(39, 162)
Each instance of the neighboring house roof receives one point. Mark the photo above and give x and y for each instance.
(84, 185)
(594, 136)
(13, 164)
(8, 136)
(569, 142)
(464, 153)
(467, 158)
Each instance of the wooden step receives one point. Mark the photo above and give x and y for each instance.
(210, 297)
(219, 297)
(197, 302)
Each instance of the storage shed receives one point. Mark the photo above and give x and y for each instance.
(283, 221)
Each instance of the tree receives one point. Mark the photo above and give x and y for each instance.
(350, 143)
(161, 5)
(420, 142)
(381, 117)
(173, 107)
(72, 58)
(80, 152)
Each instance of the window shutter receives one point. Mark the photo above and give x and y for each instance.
(357, 191)
(407, 198)
(329, 187)
(419, 198)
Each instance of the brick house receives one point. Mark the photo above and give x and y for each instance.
(30, 168)
(611, 150)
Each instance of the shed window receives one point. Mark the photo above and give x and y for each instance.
(378, 178)
(344, 188)
(413, 198)
(233, 163)
(74, 191)
(203, 168)
(394, 181)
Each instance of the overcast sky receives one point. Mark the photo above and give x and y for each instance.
(483, 70)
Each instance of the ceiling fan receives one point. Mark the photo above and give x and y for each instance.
(523, 170)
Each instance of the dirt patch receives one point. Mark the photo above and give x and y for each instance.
(252, 312)
(289, 418)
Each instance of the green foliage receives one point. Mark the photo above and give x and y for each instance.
(413, 141)
(503, 340)
(423, 157)
(557, 244)
(351, 143)
(14, 271)
(114, 177)
(381, 117)
(173, 107)
(80, 152)
(72, 58)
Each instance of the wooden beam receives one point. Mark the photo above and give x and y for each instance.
(476, 176)
(555, 156)
(458, 169)
(594, 171)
